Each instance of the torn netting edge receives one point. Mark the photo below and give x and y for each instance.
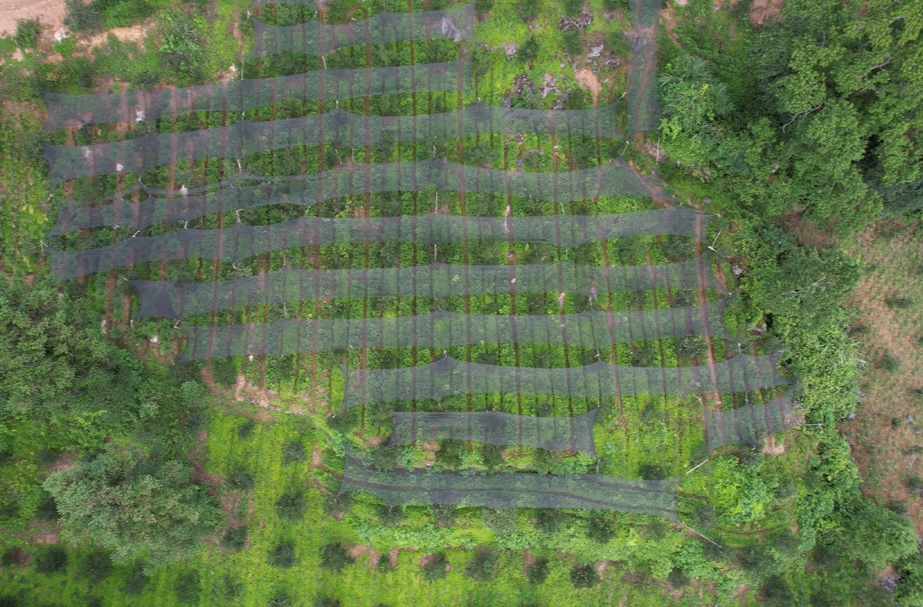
(161, 298)
(496, 428)
(451, 329)
(505, 490)
(750, 424)
(239, 95)
(317, 38)
(613, 179)
(243, 241)
(337, 127)
(450, 377)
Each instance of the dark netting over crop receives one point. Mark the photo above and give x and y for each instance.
(447, 329)
(448, 377)
(611, 179)
(243, 241)
(497, 428)
(184, 299)
(512, 489)
(239, 95)
(317, 38)
(643, 99)
(337, 127)
(750, 424)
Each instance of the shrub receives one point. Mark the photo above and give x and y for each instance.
(246, 429)
(335, 557)
(776, 592)
(483, 567)
(291, 505)
(537, 572)
(337, 505)
(572, 7)
(136, 580)
(550, 520)
(47, 510)
(492, 456)
(757, 560)
(293, 451)
(450, 453)
(281, 600)
(11, 557)
(584, 576)
(326, 601)
(573, 44)
(898, 303)
(234, 539)
(483, 6)
(599, 530)
(527, 9)
(95, 566)
(8, 601)
(435, 568)
(51, 560)
(283, 556)
(81, 17)
(652, 472)
(444, 514)
(390, 515)
(678, 578)
(187, 588)
(27, 32)
(889, 363)
(914, 484)
(240, 480)
(528, 52)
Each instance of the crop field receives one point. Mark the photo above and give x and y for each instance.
(273, 445)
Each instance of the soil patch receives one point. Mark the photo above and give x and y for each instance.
(588, 82)
(765, 10)
(771, 447)
(48, 12)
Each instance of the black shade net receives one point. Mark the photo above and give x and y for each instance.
(450, 377)
(184, 299)
(505, 490)
(496, 428)
(336, 127)
(318, 38)
(243, 241)
(750, 424)
(448, 329)
(239, 95)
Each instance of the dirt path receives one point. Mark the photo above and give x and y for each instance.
(48, 12)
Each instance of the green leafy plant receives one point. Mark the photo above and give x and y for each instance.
(584, 576)
(537, 571)
(435, 567)
(282, 556)
(27, 33)
(335, 557)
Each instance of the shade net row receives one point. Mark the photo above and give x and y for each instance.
(616, 178)
(318, 38)
(496, 428)
(184, 299)
(244, 241)
(451, 377)
(448, 329)
(750, 424)
(642, 94)
(335, 127)
(505, 490)
(239, 95)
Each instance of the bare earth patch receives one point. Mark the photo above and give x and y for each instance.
(765, 10)
(771, 447)
(48, 12)
(588, 82)
(135, 33)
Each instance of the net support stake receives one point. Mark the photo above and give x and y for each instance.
(702, 464)
(700, 535)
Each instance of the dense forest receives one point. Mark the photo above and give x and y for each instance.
(141, 467)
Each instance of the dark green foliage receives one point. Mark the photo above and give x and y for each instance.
(12, 557)
(896, 423)
(444, 514)
(483, 6)
(240, 480)
(572, 7)
(450, 453)
(689, 348)
(898, 303)
(483, 567)
(914, 484)
(51, 560)
(550, 520)
(492, 456)
(776, 592)
(47, 510)
(346, 420)
(95, 567)
(291, 505)
(876, 535)
(584, 576)
(435, 568)
(600, 530)
(8, 601)
(573, 44)
(651, 472)
(281, 600)
(186, 587)
(82, 17)
(537, 572)
(390, 515)
(337, 505)
(385, 458)
(757, 560)
(246, 429)
(326, 601)
(234, 539)
(335, 557)
(384, 564)
(527, 9)
(293, 451)
(182, 45)
(617, 5)
(909, 591)
(528, 52)
(889, 363)
(678, 578)
(27, 32)
(136, 580)
(282, 556)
